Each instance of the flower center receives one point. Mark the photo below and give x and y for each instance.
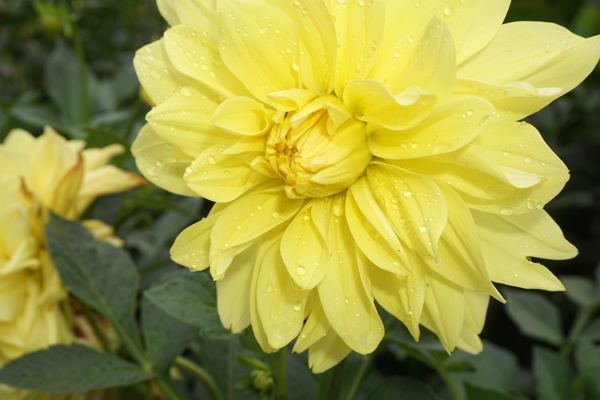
(318, 150)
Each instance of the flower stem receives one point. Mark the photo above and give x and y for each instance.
(278, 367)
(168, 388)
(358, 378)
(330, 382)
(201, 375)
(89, 316)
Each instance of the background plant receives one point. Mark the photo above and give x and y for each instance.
(68, 64)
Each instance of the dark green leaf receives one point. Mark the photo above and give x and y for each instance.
(587, 358)
(165, 336)
(534, 315)
(403, 388)
(553, 376)
(592, 331)
(70, 369)
(580, 290)
(97, 273)
(36, 115)
(190, 298)
(477, 393)
(494, 368)
(63, 83)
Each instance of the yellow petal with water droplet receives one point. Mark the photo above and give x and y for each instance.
(461, 258)
(192, 246)
(444, 310)
(303, 250)
(234, 293)
(157, 74)
(280, 305)
(246, 220)
(184, 120)
(243, 116)
(194, 55)
(346, 302)
(401, 296)
(448, 128)
(414, 205)
(327, 352)
(540, 60)
(369, 239)
(160, 162)
(265, 38)
(359, 28)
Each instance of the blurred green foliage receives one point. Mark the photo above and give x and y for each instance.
(68, 64)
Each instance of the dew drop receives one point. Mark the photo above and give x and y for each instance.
(338, 211)
(276, 214)
(527, 160)
(301, 271)
(507, 211)
(423, 228)
(407, 194)
(211, 160)
(186, 91)
(297, 306)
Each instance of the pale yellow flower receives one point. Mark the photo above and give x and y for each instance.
(37, 175)
(359, 152)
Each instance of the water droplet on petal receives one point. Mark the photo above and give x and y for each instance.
(301, 271)
(507, 211)
(211, 160)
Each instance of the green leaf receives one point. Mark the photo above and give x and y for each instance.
(63, 83)
(97, 273)
(580, 290)
(165, 337)
(478, 393)
(553, 376)
(70, 369)
(36, 115)
(192, 299)
(587, 358)
(534, 315)
(592, 331)
(493, 369)
(403, 388)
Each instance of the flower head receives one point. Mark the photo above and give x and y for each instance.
(37, 175)
(359, 152)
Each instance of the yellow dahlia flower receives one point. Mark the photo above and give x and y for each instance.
(37, 175)
(359, 152)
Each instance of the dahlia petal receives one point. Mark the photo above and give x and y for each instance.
(243, 116)
(509, 58)
(157, 74)
(184, 120)
(192, 246)
(372, 101)
(259, 45)
(220, 177)
(401, 296)
(13, 297)
(246, 220)
(280, 304)
(347, 304)
(461, 259)
(289, 100)
(444, 310)
(368, 238)
(315, 328)
(193, 55)
(198, 14)
(513, 101)
(317, 45)
(327, 352)
(469, 342)
(414, 204)
(534, 234)
(160, 162)
(303, 250)
(233, 293)
(449, 127)
(510, 269)
(359, 29)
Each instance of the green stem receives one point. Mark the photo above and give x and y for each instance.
(89, 316)
(82, 72)
(168, 388)
(278, 366)
(201, 375)
(330, 382)
(449, 384)
(358, 378)
(581, 322)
